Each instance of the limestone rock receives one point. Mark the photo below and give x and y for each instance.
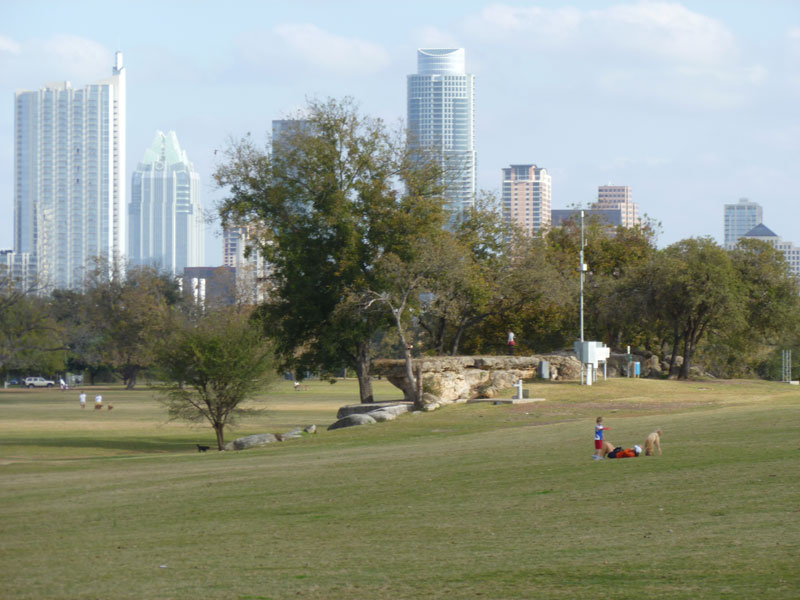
(252, 441)
(351, 421)
(382, 415)
(428, 398)
(460, 378)
(351, 409)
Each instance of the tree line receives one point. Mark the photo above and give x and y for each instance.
(365, 258)
(366, 261)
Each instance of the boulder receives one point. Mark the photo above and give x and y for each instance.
(382, 415)
(351, 409)
(428, 398)
(252, 441)
(352, 420)
(291, 435)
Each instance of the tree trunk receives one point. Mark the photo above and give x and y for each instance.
(362, 372)
(218, 429)
(440, 336)
(457, 339)
(673, 370)
(131, 379)
(688, 350)
(412, 380)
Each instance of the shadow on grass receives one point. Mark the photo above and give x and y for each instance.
(149, 446)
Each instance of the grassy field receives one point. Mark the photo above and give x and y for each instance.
(471, 501)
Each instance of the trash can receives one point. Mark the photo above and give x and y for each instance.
(637, 369)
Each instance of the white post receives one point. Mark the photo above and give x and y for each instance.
(518, 385)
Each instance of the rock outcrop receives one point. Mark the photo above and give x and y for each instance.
(448, 379)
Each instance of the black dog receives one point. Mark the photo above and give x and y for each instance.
(202, 448)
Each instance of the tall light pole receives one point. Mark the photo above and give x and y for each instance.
(583, 271)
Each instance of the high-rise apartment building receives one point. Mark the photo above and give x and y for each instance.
(527, 197)
(618, 197)
(165, 215)
(69, 177)
(740, 218)
(441, 119)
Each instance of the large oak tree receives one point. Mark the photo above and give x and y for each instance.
(330, 198)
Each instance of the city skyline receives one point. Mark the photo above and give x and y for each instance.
(691, 104)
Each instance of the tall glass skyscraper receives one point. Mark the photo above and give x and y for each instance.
(441, 119)
(165, 216)
(69, 177)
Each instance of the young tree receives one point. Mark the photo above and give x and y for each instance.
(129, 317)
(213, 366)
(335, 194)
(30, 338)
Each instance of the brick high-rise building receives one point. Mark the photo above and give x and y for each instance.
(527, 197)
(618, 197)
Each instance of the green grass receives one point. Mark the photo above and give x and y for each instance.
(471, 501)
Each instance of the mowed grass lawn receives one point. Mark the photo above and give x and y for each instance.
(471, 501)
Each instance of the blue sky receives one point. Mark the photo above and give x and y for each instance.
(694, 104)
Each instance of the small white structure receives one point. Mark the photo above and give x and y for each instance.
(591, 354)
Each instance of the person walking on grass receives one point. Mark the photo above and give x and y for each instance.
(599, 428)
(511, 343)
(82, 399)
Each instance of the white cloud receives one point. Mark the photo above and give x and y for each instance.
(433, 37)
(8, 45)
(305, 46)
(32, 63)
(656, 29)
(647, 51)
(666, 31)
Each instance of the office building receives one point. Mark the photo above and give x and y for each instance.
(69, 177)
(241, 251)
(740, 218)
(209, 287)
(441, 120)
(165, 216)
(527, 197)
(790, 252)
(618, 197)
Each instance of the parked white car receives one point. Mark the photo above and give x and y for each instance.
(37, 382)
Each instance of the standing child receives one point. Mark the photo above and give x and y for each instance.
(599, 428)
